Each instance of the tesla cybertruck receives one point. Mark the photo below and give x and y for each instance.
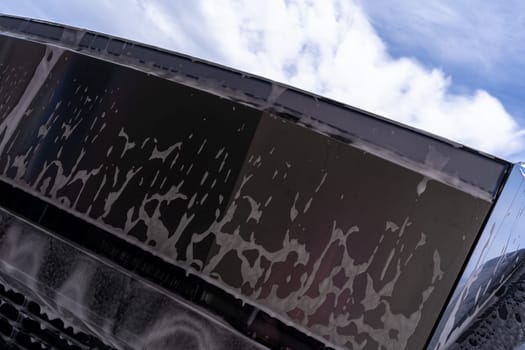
(152, 200)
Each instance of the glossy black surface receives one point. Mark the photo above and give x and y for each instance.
(356, 241)
(64, 298)
(383, 137)
(487, 307)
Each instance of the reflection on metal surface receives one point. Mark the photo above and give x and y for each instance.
(94, 298)
(348, 227)
(487, 306)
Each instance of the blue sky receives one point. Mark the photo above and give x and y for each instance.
(453, 68)
(479, 43)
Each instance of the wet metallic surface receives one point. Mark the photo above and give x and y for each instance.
(491, 286)
(351, 248)
(96, 298)
(385, 138)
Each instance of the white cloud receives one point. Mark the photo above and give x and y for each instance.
(328, 47)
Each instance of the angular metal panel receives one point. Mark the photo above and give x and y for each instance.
(384, 137)
(313, 233)
(347, 226)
